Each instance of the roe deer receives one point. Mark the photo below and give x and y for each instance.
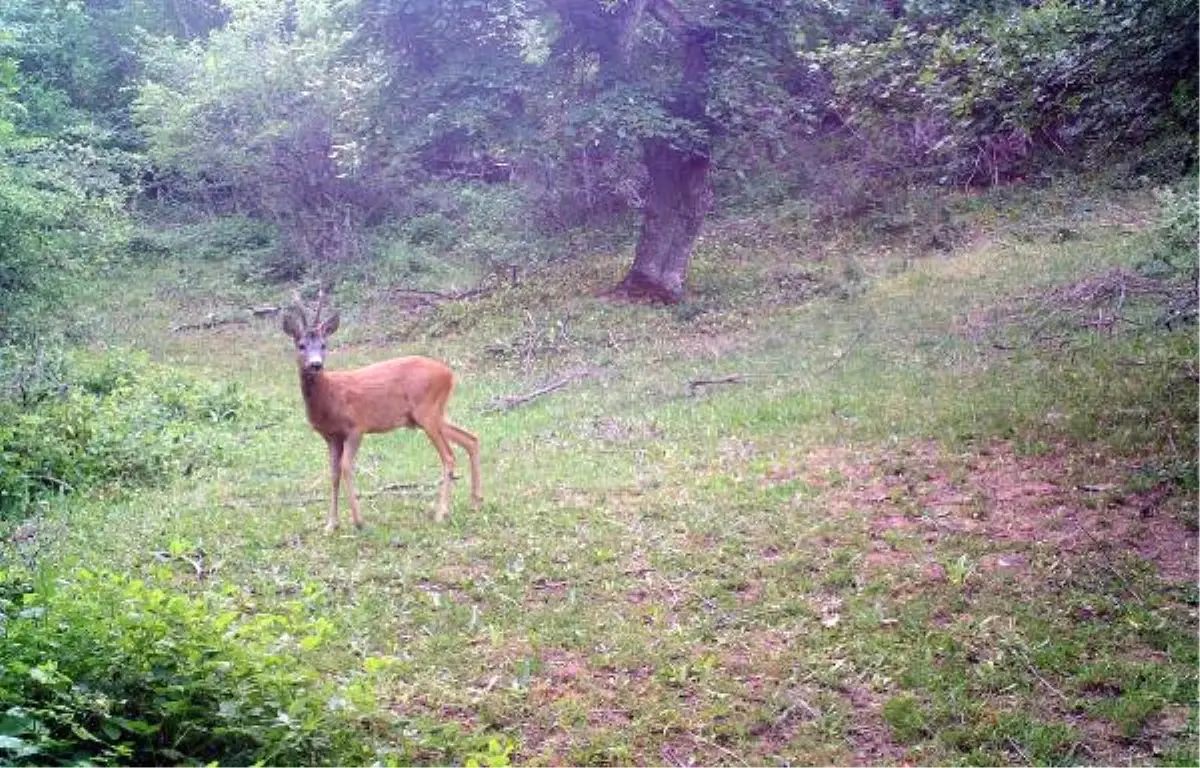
(342, 406)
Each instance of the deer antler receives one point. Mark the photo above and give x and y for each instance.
(320, 305)
(298, 305)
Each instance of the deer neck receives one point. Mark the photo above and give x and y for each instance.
(315, 387)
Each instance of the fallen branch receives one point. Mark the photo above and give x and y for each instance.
(197, 563)
(304, 501)
(512, 401)
(737, 378)
(392, 488)
(1183, 309)
(433, 298)
(508, 402)
(733, 378)
(212, 321)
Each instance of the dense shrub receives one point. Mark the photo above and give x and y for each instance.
(210, 239)
(989, 97)
(70, 426)
(454, 231)
(1179, 226)
(103, 669)
(60, 219)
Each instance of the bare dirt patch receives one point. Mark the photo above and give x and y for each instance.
(870, 736)
(1070, 499)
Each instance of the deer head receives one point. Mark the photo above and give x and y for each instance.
(309, 337)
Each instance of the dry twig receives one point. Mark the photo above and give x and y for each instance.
(508, 402)
(210, 322)
(512, 401)
(1101, 303)
(733, 378)
(304, 501)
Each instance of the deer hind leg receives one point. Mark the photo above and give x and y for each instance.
(436, 436)
(336, 446)
(470, 444)
(348, 454)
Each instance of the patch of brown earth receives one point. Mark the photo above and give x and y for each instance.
(755, 650)
(823, 467)
(604, 695)
(885, 559)
(543, 591)
(1063, 499)
(870, 737)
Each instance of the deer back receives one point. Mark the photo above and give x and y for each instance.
(377, 398)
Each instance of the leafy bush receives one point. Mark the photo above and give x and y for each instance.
(456, 232)
(59, 219)
(213, 239)
(1179, 226)
(117, 419)
(987, 97)
(104, 669)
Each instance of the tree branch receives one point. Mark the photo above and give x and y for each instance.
(509, 402)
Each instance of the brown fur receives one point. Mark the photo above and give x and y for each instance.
(342, 406)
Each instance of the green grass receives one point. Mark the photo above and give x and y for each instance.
(877, 545)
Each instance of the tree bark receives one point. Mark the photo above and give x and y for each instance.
(679, 195)
(677, 201)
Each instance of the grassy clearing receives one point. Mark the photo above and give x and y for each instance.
(886, 538)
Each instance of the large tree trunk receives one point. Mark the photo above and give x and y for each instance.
(678, 199)
(679, 195)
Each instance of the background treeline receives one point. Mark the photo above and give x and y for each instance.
(322, 133)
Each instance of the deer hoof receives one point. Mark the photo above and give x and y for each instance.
(331, 526)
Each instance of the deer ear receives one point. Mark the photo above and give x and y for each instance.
(291, 325)
(330, 325)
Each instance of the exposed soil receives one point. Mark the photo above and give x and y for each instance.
(872, 738)
(1074, 502)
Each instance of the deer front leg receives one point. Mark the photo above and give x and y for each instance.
(335, 466)
(351, 450)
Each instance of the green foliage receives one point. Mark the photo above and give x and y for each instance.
(497, 755)
(455, 233)
(906, 718)
(1179, 227)
(266, 116)
(60, 219)
(248, 246)
(63, 177)
(984, 98)
(78, 61)
(72, 426)
(466, 67)
(98, 668)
